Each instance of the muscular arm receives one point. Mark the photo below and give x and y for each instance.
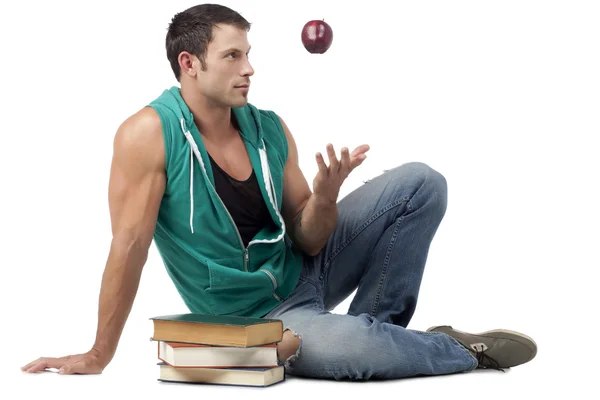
(137, 183)
(309, 219)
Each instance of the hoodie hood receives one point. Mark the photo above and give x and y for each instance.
(247, 117)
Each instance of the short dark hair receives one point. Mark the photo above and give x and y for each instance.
(191, 31)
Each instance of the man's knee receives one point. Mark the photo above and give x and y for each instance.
(428, 184)
(289, 347)
(437, 185)
(424, 177)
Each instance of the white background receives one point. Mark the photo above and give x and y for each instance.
(501, 97)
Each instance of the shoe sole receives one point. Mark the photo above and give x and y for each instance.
(499, 333)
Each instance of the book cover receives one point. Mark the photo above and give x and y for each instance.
(217, 330)
(214, 319)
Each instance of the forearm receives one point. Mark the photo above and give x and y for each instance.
(119, 286)
(314, 224)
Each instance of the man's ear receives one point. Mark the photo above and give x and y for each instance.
(189, 64)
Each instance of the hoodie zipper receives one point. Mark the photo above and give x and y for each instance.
(246, 256)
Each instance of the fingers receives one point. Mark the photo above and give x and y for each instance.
(333, 161)
(356, 161)
(43, 363)
(26, 367)
(72, 364)
(321, 163)
(360, 150)
(34, 365)
(358, 155)
(345, 163)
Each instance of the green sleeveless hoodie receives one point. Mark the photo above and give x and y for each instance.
(196, 236)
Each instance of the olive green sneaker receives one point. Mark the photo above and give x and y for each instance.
(496, 349)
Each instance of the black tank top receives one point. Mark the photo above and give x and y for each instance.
(243, 200)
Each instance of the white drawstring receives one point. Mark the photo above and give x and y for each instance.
(268, 180)
(193, 146)
(191, 189)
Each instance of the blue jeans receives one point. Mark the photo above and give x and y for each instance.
(379, 248)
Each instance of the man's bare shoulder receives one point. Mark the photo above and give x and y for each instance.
(140, 137)
(142, 127)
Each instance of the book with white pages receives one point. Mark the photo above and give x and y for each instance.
(189, 355)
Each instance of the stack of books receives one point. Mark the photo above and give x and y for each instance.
(213, 349)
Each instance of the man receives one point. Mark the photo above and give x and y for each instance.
(215, 182)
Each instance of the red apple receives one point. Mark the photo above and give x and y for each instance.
(317, 36)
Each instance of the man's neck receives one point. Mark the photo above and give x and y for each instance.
(214, 122)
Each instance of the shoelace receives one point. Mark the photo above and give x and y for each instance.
(486, 361)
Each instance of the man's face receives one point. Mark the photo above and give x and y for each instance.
(227, 68)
